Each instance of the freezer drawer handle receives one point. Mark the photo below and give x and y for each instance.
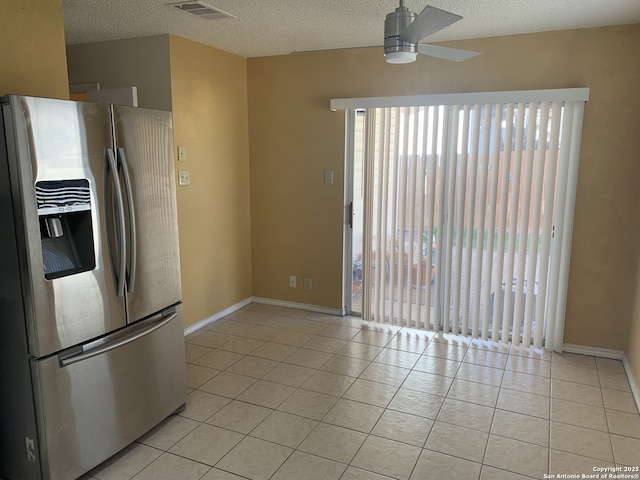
(119, 343)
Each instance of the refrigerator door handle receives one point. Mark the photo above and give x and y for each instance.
(133, 251)
(111, 169)
(89, 351)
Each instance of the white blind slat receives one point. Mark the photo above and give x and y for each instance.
(439, 213)
(558, 219)
(394, 282)
(483, 170)
(492, 174)
(421, 181)
(400, 257)
(569, 207)
(450, 155)
(514, 208)
(524, 225)
(468, 313)
(459, 210)
(413, 201)
(547, 223)
(534, 229)
(505, 168)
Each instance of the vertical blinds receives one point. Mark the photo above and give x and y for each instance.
(468, 215)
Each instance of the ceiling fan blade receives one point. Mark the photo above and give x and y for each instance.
(453, 54)
(430, 20)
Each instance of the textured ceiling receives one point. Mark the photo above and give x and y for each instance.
(275, 27)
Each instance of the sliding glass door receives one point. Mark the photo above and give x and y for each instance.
(457, 209)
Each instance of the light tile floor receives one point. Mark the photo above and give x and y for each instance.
(281, 394)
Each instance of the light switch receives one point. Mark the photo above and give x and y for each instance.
(182, 154)
(183, 177)
(328, 177)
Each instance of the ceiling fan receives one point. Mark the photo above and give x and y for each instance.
(403, 30)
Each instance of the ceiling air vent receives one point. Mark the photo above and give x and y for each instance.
(201, 10)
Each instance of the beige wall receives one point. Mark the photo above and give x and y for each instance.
(137, 62)
(32, 49)
(297, 220)
(209, 92)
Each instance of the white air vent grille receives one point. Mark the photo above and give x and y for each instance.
(201, 10)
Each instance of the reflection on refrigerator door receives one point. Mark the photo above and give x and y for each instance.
(145, 150)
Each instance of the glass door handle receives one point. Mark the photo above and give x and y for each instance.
(350, 213)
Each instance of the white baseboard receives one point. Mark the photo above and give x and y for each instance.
(300, 306)
(632, 382)
(607, 353)
(217, 316)
(593, 351)
(266, 301)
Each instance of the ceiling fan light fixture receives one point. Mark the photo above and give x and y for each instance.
(400, 57)
(404, 30)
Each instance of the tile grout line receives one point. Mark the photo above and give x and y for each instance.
(604, 405)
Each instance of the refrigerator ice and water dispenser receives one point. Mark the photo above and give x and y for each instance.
(64, 211)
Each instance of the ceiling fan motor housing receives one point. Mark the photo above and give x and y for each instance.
(394, 25)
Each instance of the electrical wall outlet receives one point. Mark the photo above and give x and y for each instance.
(307, 283)
(292, 281)
(184, 178)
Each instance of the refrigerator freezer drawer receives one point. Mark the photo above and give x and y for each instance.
(94, 404)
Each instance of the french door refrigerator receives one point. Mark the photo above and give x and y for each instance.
(91, 332)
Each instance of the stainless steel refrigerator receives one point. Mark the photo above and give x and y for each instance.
(91, 332)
